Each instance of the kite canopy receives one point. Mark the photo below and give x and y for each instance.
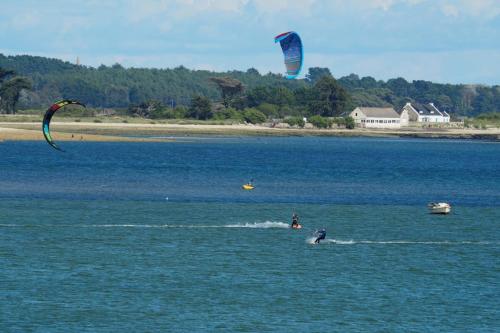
(48, 116)
(292, 50)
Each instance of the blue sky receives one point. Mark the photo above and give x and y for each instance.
(450, 41)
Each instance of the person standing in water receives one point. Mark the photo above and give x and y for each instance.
(320, 235)
(295, 220)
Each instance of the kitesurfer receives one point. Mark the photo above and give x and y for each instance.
(295, 220)
(320, 235)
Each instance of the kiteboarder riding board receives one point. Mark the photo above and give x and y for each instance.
(295, 222)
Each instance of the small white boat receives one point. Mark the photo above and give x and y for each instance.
(439, 207)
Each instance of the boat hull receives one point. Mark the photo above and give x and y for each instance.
(443, 210)
(440, 208)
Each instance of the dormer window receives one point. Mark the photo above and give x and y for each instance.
(421, 112)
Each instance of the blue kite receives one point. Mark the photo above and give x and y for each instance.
(292, 50)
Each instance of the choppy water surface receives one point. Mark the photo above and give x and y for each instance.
(159, 237)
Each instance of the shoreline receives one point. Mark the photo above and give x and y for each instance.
(125, 132)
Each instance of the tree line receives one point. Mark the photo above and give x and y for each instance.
(180, 92)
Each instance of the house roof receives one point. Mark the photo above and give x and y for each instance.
(379, 112)
(426, 109)
(433, 109)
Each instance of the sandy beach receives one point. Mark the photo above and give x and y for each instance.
(87, 131)
(30, 132)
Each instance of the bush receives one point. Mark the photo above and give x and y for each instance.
(270, 110)
(339, 121)
(228, 113)
(254, 116)
(158, 113)
(179, 112)
(320, 122)
(349, 122)
(97, 121)
(295, 121)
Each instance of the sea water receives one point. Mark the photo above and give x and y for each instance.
(146, 237)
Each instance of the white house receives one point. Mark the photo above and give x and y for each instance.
(425, 113)
(405, 118)
(376, 117)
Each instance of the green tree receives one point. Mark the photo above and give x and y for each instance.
(295, 121)
(320, 122)
(484, 101)
(180, 112)
(329, 98)
(228, 113)
(350, 82)
(253, 71)
(282, 96)
(349, 123)
(5, 73)
(270, 110)
(316, 73)
(10, 92)
(399, 86)
(258, 96)
(254, 116)
(201, 108)
(368, 82)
